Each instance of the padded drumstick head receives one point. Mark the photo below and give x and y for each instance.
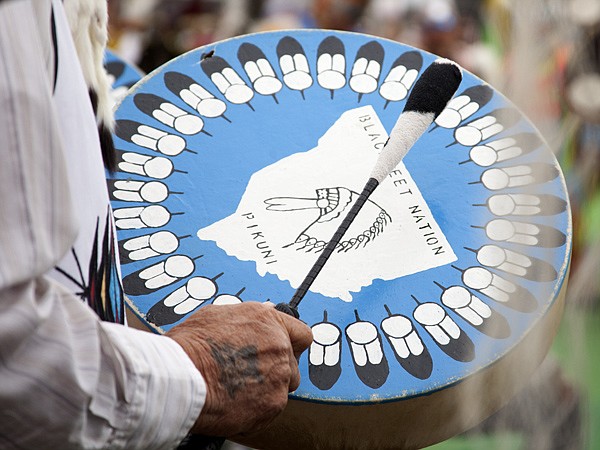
(434, 89)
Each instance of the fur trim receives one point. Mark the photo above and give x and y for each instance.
(88, 20)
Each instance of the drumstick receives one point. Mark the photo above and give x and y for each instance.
(428, 98)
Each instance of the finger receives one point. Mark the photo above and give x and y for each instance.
(294, 375)
(300, 334)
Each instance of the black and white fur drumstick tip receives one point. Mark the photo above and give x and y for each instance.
(429, 96)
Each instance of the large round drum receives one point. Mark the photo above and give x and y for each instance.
(239, 160)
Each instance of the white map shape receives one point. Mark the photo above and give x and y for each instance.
(408, 243)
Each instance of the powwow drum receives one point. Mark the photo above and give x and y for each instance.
(238, 161)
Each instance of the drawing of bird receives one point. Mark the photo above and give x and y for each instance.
(332, 205)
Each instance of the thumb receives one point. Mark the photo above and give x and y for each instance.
(300, 333)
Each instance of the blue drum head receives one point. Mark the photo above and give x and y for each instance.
(238, 160)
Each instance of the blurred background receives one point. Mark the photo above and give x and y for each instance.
(542, 54)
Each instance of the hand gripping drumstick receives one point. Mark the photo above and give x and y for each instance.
(428, 98)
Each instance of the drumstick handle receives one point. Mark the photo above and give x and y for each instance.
(330, 247)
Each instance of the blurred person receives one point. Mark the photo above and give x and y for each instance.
(454, 32)
(393, 19)
(171, 31)
(69, 379)
(343, 15)
(440, 32)
(130, 22)
(447, 28)
(179, 26)
(237, 17)
(337, 14)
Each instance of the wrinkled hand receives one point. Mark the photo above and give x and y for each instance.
(247, 354)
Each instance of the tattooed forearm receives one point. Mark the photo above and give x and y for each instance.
(233, 362)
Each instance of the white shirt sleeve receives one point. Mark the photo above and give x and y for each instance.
(67, 380)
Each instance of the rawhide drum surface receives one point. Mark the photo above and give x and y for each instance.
(239, 160)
